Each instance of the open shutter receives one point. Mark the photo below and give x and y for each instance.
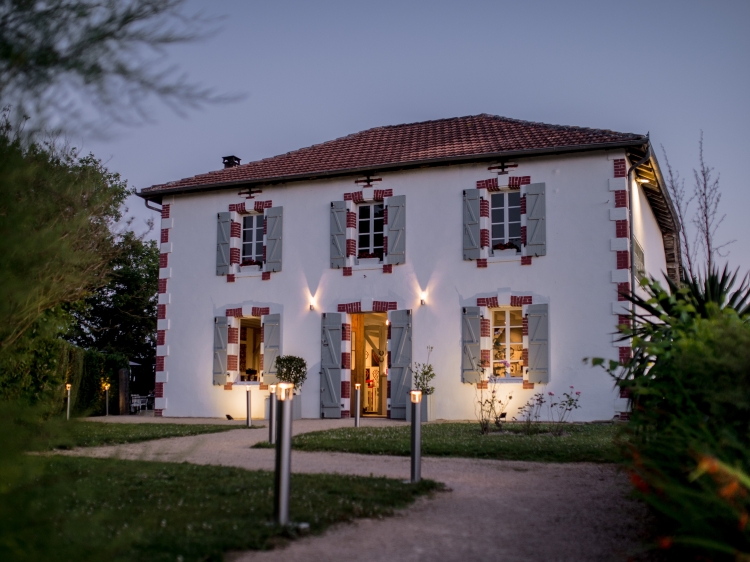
(536, 229)
(399, 371)
(471, 357)
(330, 365)
(396, 229)
(223, 231)
(538, 315)
(274, 222)
(271, 346)
(338, 234)
(221, 333)
(471, 224)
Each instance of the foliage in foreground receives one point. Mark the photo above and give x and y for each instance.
(580, 443)
(689, 434)
(92, 509)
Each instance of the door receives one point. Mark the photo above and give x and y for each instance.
(330, 365)
(399, 368)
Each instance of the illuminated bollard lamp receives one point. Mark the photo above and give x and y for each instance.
(67, 387)
(357, 407)
(272, 415)
(285, 393)
(106, 399)
(416, 435)
(249, 419)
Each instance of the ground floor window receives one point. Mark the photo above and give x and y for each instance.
(250, 349)
(507, 343)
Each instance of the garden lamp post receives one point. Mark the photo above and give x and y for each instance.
(67, 387)
(416, 435)
(249, 419)
(357, 406)
(272, 415)
(106, 399)
(283, 454)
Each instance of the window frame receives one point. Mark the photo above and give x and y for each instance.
(495, 357)
(372, 250)
(506, 223)
(258, 241)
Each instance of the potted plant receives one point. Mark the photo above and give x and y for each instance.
(293, 370)
(423, 375)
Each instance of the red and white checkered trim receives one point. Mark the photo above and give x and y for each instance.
(619, 214)
(163, 322)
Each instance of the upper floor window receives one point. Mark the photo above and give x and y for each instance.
(252, 240)
(370, 218)
(507, 343)
(506, 220)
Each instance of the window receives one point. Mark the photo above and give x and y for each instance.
(252, 240)
(507, 343)
(640, 260)
(370, 230)
(506, 221)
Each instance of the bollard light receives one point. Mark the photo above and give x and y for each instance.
(416, 435)
(357, 402)
(283, 454)
(106, 398)
(272, 415)
(67, 387)
(249, 418)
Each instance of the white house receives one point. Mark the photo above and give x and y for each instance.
(485, 238)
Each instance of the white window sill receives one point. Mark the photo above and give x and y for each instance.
(503, 256)
(250, 271)
(367, 263)
(494, 380)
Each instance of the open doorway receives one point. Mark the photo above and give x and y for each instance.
(370, 361)
(249, 366)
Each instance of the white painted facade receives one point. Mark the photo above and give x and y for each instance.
(577, 278)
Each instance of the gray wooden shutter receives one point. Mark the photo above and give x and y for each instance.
(471, 224)
(536, 229)
(274, 222)
(338, 234)
(223, 231)
(330, 365)
(538, 315)
(221, 335)
(271, 346)
(399, 371)
(471, 356)
(396, 229)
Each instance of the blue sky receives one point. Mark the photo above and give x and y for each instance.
(314, 71)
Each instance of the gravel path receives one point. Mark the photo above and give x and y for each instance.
(495, 510)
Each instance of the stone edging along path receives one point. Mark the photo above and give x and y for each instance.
(495, 510)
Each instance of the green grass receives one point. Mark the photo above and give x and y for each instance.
(93, 434)
(83, 509)
(581, 443)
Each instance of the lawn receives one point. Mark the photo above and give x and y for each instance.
(84, 509)
(93, 434)
(580, 443)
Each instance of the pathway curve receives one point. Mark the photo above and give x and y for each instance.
(496, 510)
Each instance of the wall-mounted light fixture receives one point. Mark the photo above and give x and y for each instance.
(423, 298)
(312, 307)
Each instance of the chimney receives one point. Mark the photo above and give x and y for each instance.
(230, 161)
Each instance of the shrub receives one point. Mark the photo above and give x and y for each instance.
(291, 369)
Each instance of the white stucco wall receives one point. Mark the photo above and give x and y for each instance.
(575, 278)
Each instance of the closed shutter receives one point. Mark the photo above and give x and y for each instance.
(399, 371)
(471, 224)
(471, 356)
(274, 222)
(538, 315)
(396, 229)
(330, 365)
(221, 334)
(271, 346)
(536, 229)
(223, 231)
(338, 234)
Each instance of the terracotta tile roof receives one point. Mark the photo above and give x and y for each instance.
(410, 143)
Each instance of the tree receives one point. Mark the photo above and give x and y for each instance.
(58, 210)
(120, 317)
(706, 219)
(71, 61)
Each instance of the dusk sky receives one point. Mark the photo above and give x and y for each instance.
(315, 71)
